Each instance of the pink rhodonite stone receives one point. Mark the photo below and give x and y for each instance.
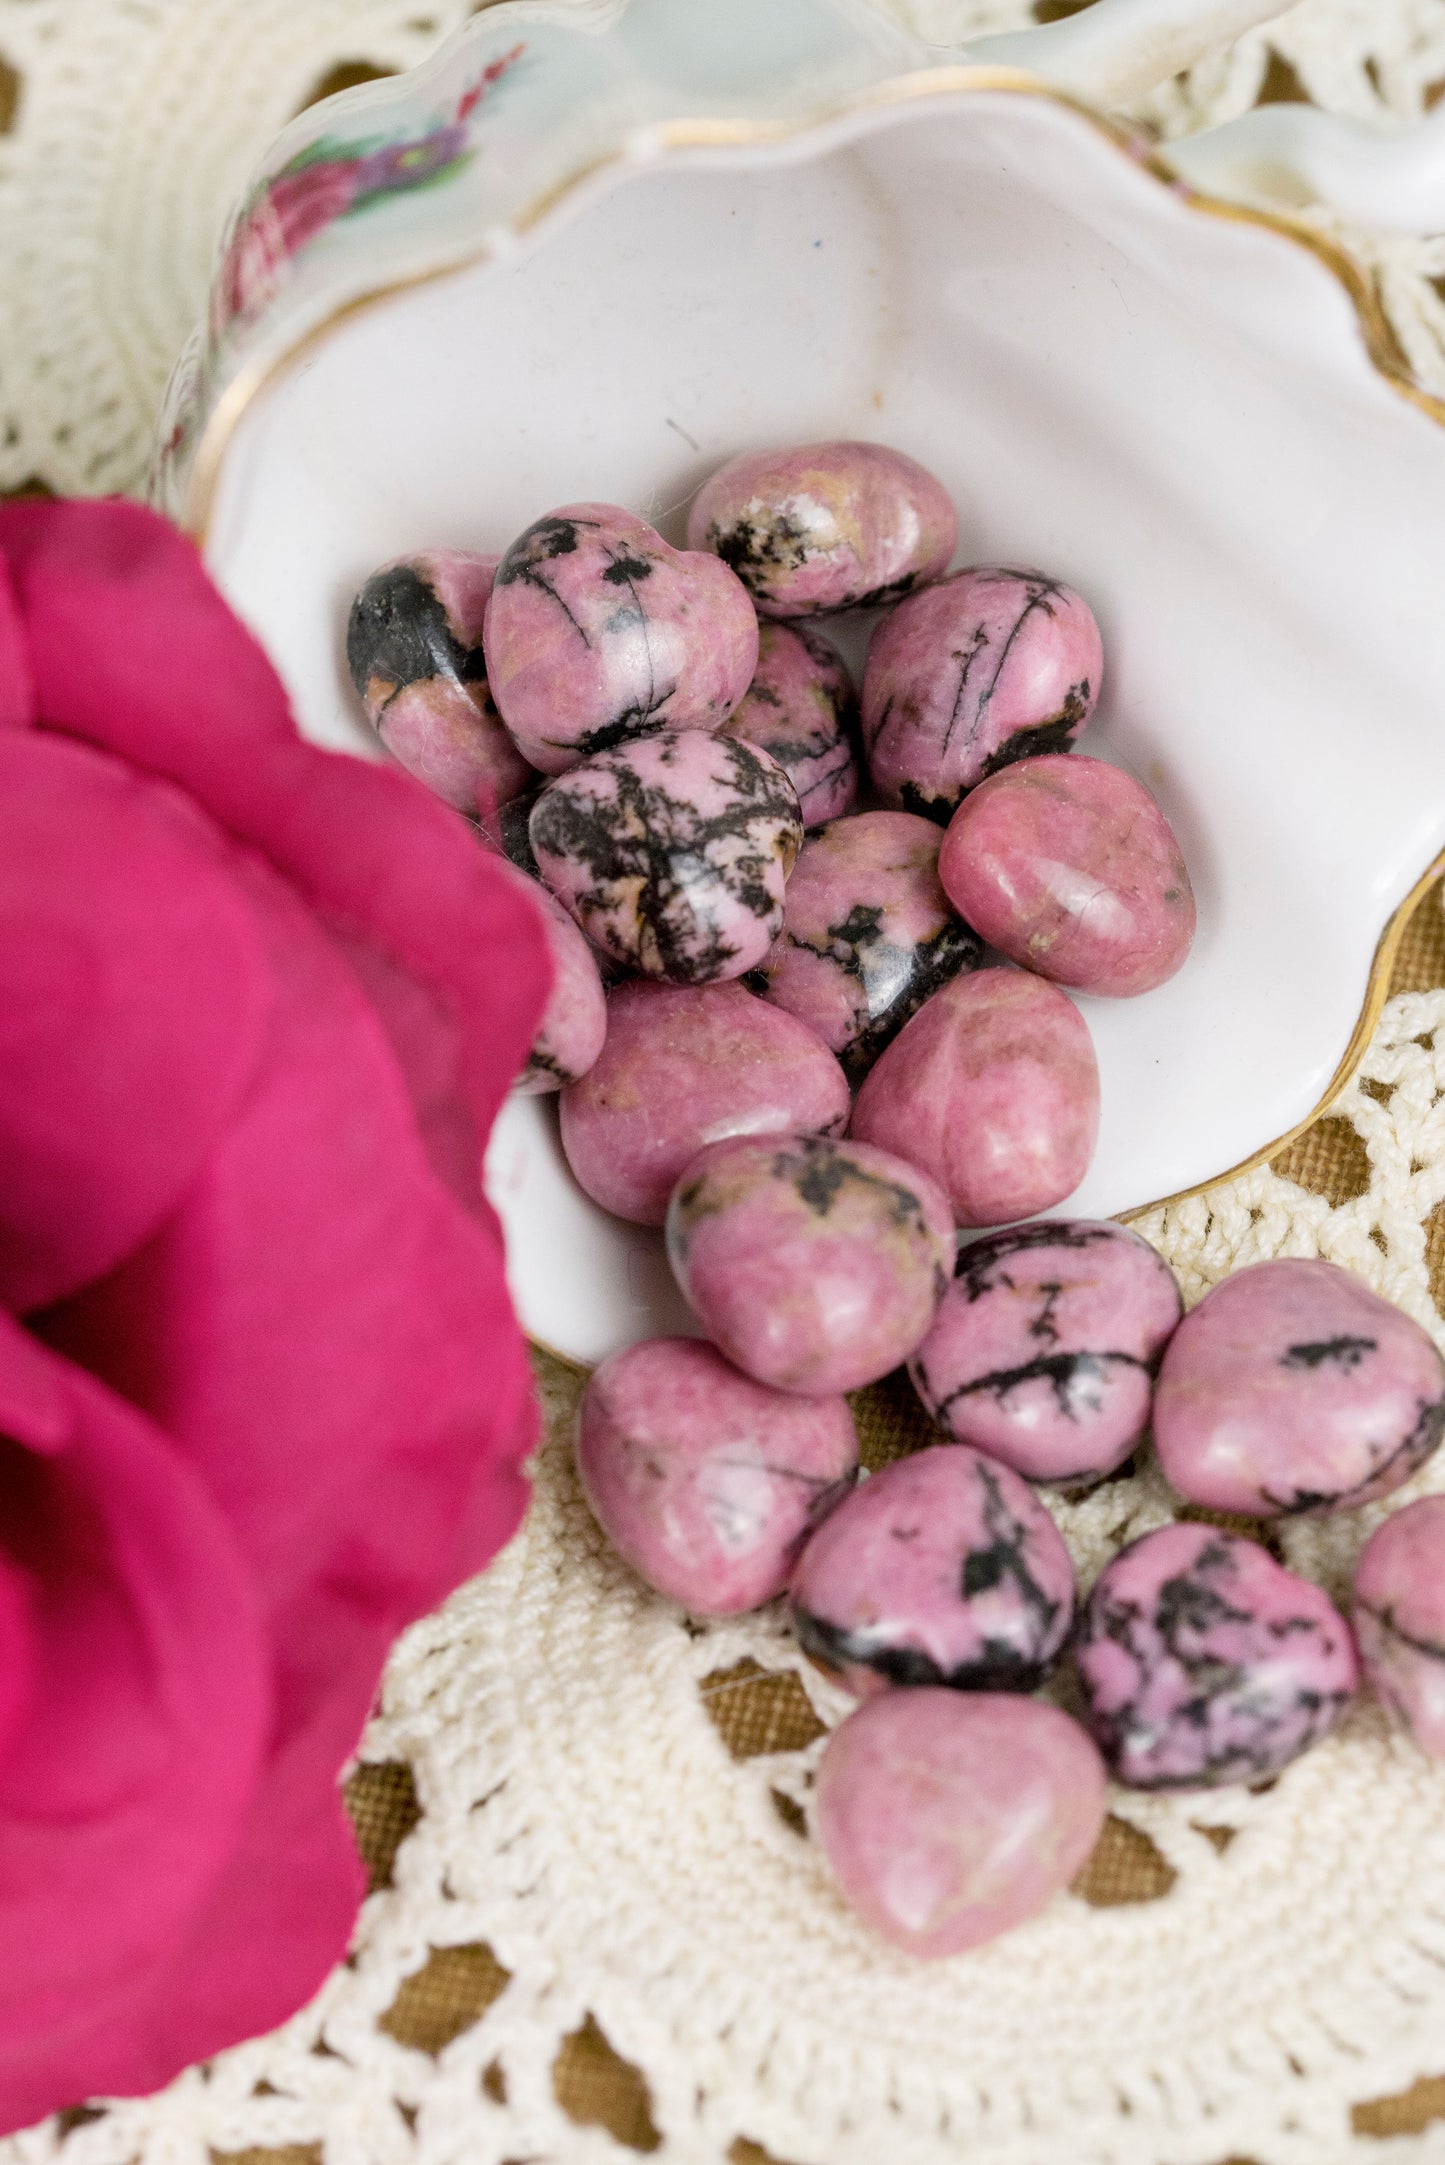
(801, 707)
(815, 1265)
(1045, 1349)
(706, 1482)
(684, 1067)
(597, 631)
(574, 1021)
(993, 1089)
(944, 1568)
(1068, 866)
(672, 853)
(1294, 1388)
(868, 933)
(988, 667)
(950, 1817)
(414, 649)
(1204, 1661)
(825, 526)
(1399, 1617)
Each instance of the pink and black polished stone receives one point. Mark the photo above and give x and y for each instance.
(597, 631)
(574, 1021)
(943, 1568)
(1293, 1388)
(1046, 1346)
(988, 667)
(802, 708)
(672, 853)
(414, 650)
(708, 1483)
(814, 1265)
(815, 527)
(868, 934)
(683, 1066)
(1399, 1617)
(1203, 1661)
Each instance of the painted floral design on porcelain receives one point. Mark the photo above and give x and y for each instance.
(334, 178)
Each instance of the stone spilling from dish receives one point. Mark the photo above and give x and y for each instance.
(830, 1050)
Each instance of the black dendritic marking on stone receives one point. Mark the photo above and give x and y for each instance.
(978, 1262)
(641, 846)
(541, 544)
(1039, 595)
(399, 633)
(892, 981)
(1392, 1465)
(1078, 1381)
(1343, 1352)
(1041, 738)
(1248, 1721)
(513, 829)
(937, 805)
(760, 546)
(1388, 1621)
(820, 1172)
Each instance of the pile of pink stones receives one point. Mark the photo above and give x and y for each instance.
(746, 971)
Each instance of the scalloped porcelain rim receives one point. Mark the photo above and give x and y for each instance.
(648, 147)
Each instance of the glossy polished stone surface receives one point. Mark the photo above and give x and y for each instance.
(989, 666)
(1045, 1348)
(672, 853)
(683, 1067)
(574, 1021)
(1203, 1661)
(706, 1482)
(868, 933)
(942, 1568)
(1399, 1617)
(802, 708)
(597, 632)
(993, 1089)
(815, 1265)
(825, 526)
(1293, 1388)
(414, 650)
(950, 1817)
(1068, 866)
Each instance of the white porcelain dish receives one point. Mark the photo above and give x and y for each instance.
(1173, 408)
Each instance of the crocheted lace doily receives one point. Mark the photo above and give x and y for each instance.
(606, 1929)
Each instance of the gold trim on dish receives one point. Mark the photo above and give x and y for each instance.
(1382, 349)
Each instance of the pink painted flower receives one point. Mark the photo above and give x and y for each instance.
(262, 1396)
(290, 211)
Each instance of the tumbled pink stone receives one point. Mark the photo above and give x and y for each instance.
(1293, 1388)
(597, 631)
(574, 1022)
(414, 649)
(683, 1067)
(988, 667)
(672, 853)
(825, 526)
(801, 707)
(1203, 1661)
(1399, 1617)
(815, 1265)
(993, 1089)
(868, 934)
(950, 1817)
(943, 1568)
(1068, 866)
(706, 1482)
(1045, 1348)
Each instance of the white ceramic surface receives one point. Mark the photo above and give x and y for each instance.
(1172, 410)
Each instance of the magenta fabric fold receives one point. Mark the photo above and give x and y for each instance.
(263, 1399)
